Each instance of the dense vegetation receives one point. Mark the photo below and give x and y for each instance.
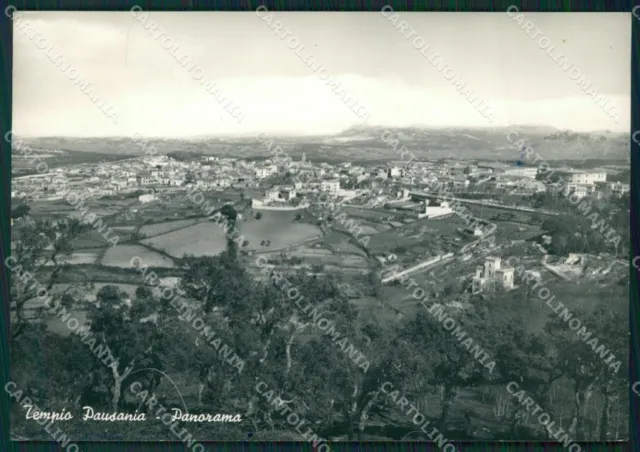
(279, 344)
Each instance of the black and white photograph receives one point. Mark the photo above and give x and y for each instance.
(320, 227)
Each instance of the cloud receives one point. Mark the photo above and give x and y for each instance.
(156, 96)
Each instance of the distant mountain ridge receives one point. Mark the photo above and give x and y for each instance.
(362, 143)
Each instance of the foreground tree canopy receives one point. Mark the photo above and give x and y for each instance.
(314, 370)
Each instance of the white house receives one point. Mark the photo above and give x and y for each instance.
(494, 276)
(432, 211)
(579, 190)
(619, 188)
(280, 194)
(589, 178)
(146, 198)
(266, 171)
(528, 172)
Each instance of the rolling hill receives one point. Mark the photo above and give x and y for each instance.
(364, 143)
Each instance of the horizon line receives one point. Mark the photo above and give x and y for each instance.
(336, 134)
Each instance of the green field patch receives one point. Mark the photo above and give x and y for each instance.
(152, 230)
(340, 243)
(124, 229)
(93, 239)
(304, 252)
(278, 229)
(120, 256)
(204, 239)
(85, 256)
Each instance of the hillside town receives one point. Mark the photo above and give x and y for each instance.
(371, 186)
(235, 252)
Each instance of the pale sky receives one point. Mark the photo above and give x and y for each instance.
(155, 96)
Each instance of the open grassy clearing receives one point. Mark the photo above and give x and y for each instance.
(280, 228)
(516, 231)
(93, 239)
(373, 215)
(121, 255)
(153, 230)
(340, 243)
(86, 256)
(434, 236)
(204, 239)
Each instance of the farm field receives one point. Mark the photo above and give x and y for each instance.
(433, 231)
(278, 227)
(516, 231)
(342, 270)
(368, 214)
(124, 229)
(493, 214)
(350, 260)
(204, 239)
(86, 256)
(306, 252)
(93, 239)
(121, 255)
(338, 261)
(339, 243)
(153, 230)
(369, 230)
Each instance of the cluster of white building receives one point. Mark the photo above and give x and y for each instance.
(492, 276)
(431, 209)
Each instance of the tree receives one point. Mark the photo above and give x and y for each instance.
(298, 217)
(526, 359)
(450, 365)
(189, 178)
(20, 211)
(258, 215)
(109, 295)
(587, 365)
(229, 212)
(231, 300)
(41, 251)
(130, 341)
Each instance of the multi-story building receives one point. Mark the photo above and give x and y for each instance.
(330, 186)
(529, 173)
(272, 195)
(618, 188)
(587, 178)
(457, 170)
(529, 186)
(495, 276)
(579, 190)
(280, 194)
(433, 210)
(266, 171)
(223, 183)
(144, 178)
(459, 182)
